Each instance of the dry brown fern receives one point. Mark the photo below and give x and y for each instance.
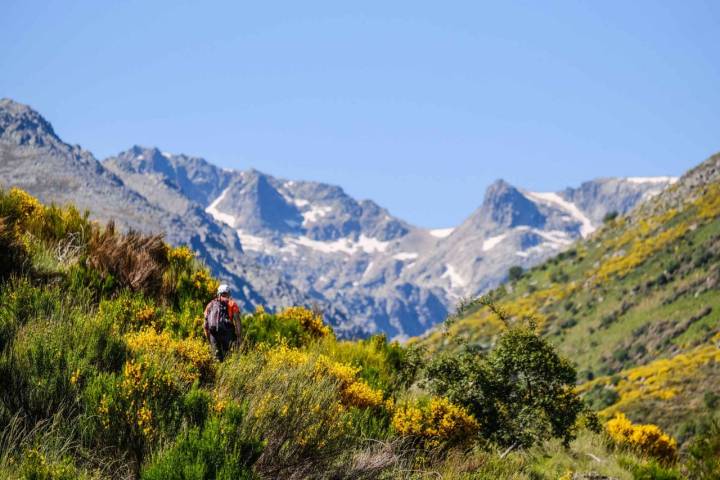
(135, 261)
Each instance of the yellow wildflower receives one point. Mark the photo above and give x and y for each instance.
(75, 377)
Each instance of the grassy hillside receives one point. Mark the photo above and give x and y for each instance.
(104, 373)
(635, 307)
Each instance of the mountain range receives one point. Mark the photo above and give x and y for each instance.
(283, 242)
(635, 306)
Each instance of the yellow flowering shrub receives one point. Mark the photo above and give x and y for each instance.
(204, 283)
(194, 361)
(130, 406)
(648, 439)
(181, 255)
(660, 379)
(311, 321)
(130, 312)
(434, 423)
(27, 204)
(641, 250)
(145, 316)
(709, 204)
(360, 394)
(293, 404)
(354, 391)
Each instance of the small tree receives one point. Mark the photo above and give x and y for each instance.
(521, 392)
(515, 273)
(610, 216)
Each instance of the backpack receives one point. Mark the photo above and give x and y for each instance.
(217, 316)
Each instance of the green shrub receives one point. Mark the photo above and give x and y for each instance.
(600, 397)
(569, 323)
(515, 273)
(704, 453)
(294, 411)
(196, 405)
(389, 366)
(621, 354)
(559, 276)
(610, 216)
(13, 256)
(294, 326)
(650, 470)
(134, 410)
(213, 452)
(36, 374)
(711, 400)
(129, 311)
(97, 345)
(37, 465)
(22, 301)
(521, 392)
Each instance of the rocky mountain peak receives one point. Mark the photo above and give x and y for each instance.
(253, 200)
(22, 125)
(194, 177)
(138, 159)
(505, 206)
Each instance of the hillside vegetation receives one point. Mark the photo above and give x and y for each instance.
(635, 307)
(104, 372)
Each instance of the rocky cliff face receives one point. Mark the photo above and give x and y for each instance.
(283, 242)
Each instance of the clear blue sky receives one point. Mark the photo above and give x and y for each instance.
(416, 105)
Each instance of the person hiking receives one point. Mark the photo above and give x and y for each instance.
(222, 322)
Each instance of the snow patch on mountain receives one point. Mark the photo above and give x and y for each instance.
(557, 238)
(641, 180)
(367, 271)
(251, 242)
(492, 242)
(406, 256)
(217, 214)
(342, 245)
(441, 232)
(456, 281)
(315, 213)
(586, 226)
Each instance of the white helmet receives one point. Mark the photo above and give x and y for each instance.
(223, 288)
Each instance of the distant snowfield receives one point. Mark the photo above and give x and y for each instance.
(557, 238)
(586, 226)
(456, 281)
(217, 214)
(441, 232)
(251, 242)
(405, 256)
(343, 245)
(492, 242)
(641, 180)
(315, 213)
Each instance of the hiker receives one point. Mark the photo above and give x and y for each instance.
(222, 322)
